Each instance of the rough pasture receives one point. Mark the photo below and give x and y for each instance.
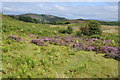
(41, 54)
(90, 44)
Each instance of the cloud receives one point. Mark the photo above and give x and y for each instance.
(102, 12)
(60, 1)
(59, 7)
(71, 10)
(0, 7)
(7, 9)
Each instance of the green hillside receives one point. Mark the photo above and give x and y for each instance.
(42, 17)
(50, 19)
(14, 26)
(23, 59)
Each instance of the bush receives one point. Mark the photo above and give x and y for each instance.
(79, 33)
(62, 31)
(85, 30)
(69, 30)
(91, 28)
(94, 27)
(95, 36)
(5, 49)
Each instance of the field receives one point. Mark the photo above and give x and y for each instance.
(23, 59)
(110, 29)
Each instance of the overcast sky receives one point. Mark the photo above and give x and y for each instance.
(107, 11)
(59, 0)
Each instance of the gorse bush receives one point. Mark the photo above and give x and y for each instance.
(91, 28)
(79, 33)
(69, 30)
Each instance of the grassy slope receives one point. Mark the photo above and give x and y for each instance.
(24, 59)
(23, 27)
(43, 17)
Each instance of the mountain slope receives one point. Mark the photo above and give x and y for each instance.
(51, 19)
(43, 17)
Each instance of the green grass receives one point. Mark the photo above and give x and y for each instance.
(14, 26)
(24, 59)
(56, 62)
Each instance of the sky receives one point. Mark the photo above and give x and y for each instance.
(105, 11)
(59, 0)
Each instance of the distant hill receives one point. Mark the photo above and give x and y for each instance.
(49, 18)
(112, 23)
(43, 17)
(76, 20)
(59, 20)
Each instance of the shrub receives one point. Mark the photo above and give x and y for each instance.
(94, 27)
(95, 36)
(69, 30)
(5, 49)
(91, 28)
(63, 31)
(79, 33)
(84, 29)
